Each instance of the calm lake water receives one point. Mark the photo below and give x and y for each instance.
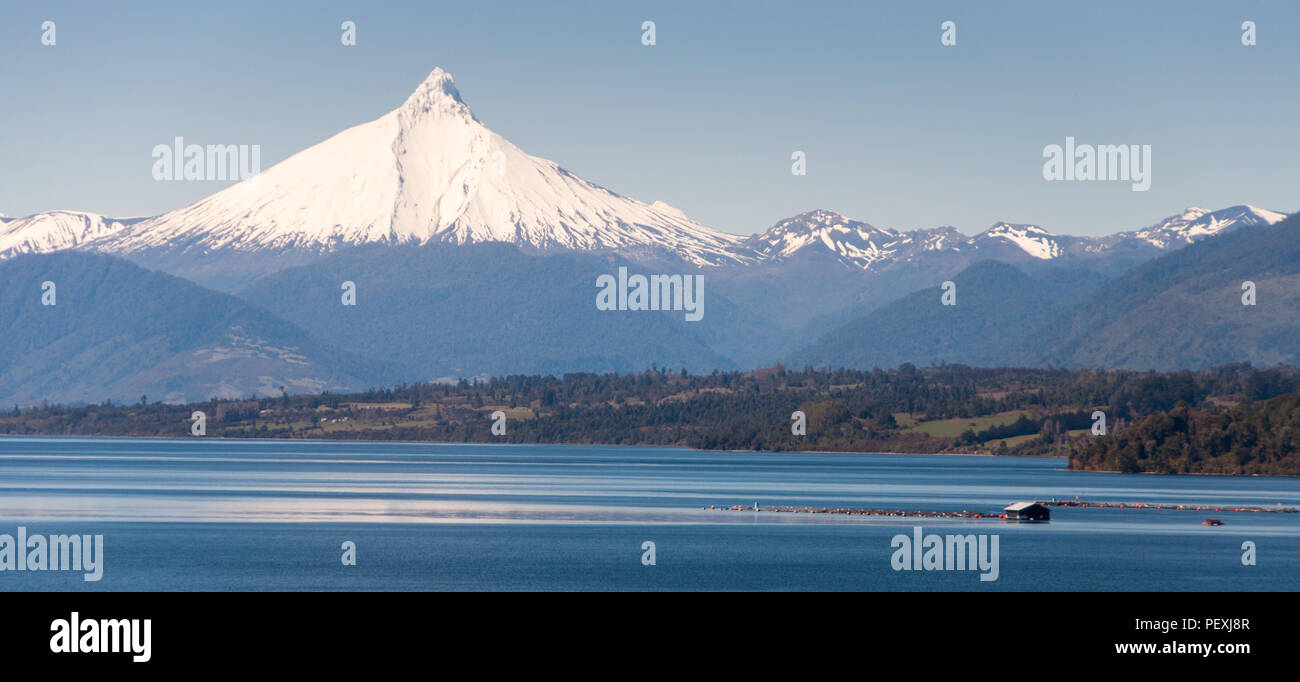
(211, 514)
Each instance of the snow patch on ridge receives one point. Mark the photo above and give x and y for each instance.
(1031, 239)
(853, 242)
(1194, 224)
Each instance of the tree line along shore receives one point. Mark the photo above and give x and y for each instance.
(1234, 419)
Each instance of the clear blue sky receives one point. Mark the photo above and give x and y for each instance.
(899, 130)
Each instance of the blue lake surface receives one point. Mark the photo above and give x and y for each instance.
(214, 514)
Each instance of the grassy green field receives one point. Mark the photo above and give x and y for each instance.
(951, 428)
(1010, 442)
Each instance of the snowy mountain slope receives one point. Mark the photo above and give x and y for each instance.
(428, 171)
(1197, 223)
(55, 231)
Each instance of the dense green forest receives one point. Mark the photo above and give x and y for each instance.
(1251, 438)
(1231, 419)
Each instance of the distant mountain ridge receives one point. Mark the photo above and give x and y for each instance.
(994, 323)
(117, 331)
(862, 245)
(471, 257)
(430, 172)
(440, 310)
(1185, 309)
(1181, 310)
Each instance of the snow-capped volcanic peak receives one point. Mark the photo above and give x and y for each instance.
(436, 96)
(1031, 239)
(427, 171)
(1197, 223)
(55, 230)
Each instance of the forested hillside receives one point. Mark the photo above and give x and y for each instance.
(85, 327)
(1250, 438)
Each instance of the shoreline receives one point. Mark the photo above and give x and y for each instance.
(477, 442)
(644, 445)
(1184, 473)
(996, 515)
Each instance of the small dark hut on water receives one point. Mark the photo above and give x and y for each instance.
(1027, 511)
